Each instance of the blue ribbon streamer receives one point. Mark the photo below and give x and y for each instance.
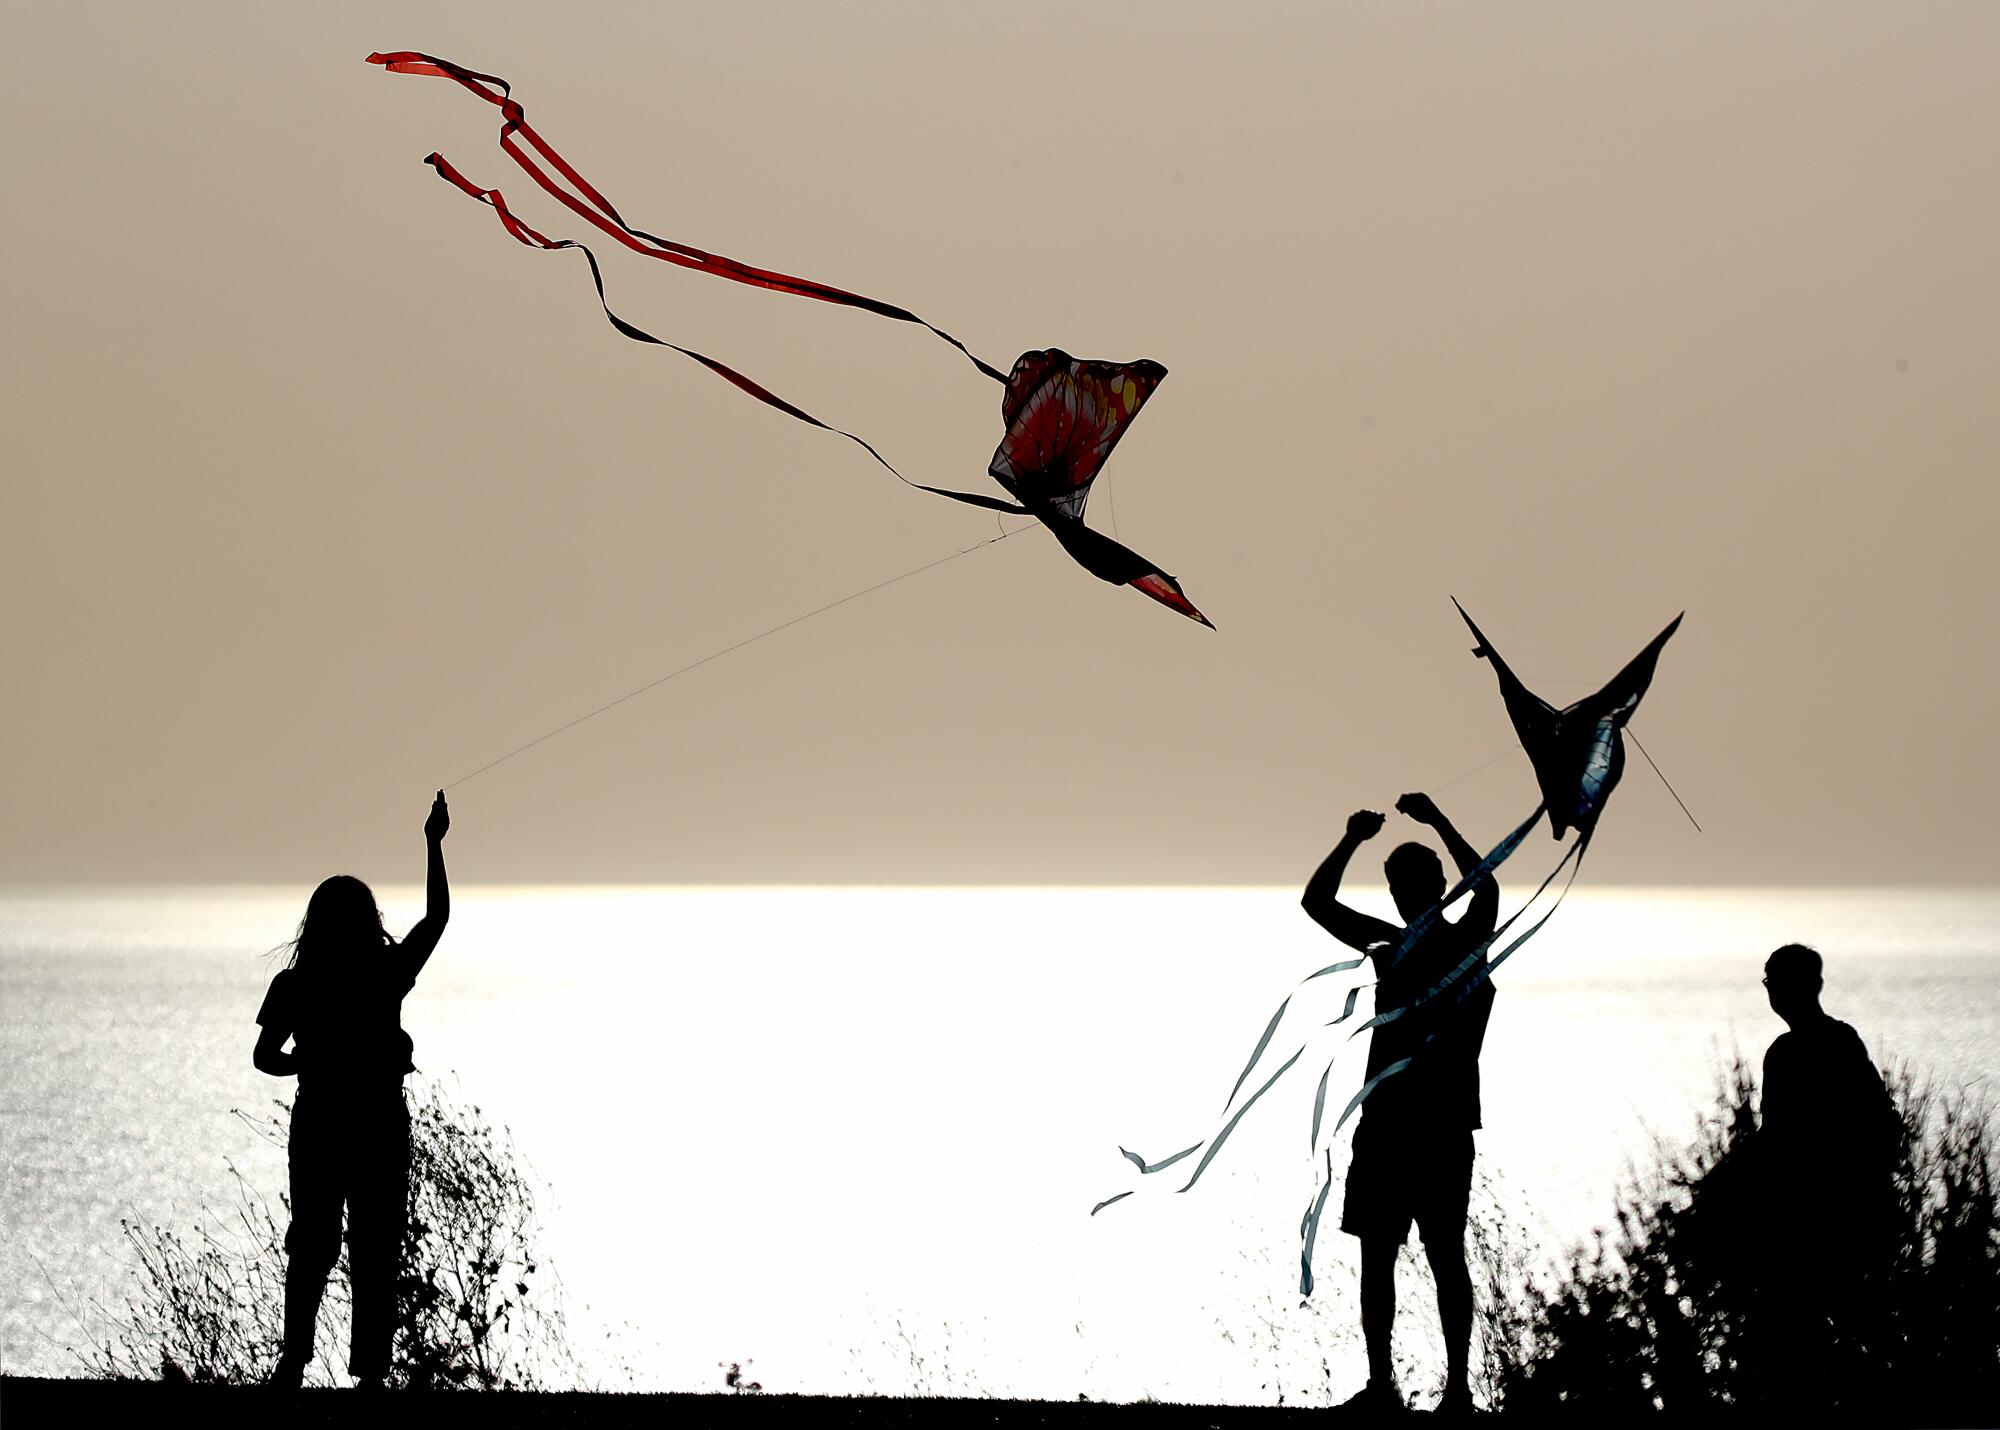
(1418, 927)
(1143, 1165)
(1472, 958)
(1223, 1136)
(1309, 1229)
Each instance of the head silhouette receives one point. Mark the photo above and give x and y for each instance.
(1416, 879)
(341, 922)
(1792, 981)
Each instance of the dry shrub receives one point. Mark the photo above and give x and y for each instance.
(1678, 1307)
(476, 1306)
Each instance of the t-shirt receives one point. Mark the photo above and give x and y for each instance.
(1440, 1088)
(1827, 1120)
(346, 1028)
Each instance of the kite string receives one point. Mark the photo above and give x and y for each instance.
(728, 649)
(1665, 781)
(1484, 765)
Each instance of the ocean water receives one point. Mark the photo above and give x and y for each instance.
(855, 1134)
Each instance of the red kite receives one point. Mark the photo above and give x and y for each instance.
(1063, 416)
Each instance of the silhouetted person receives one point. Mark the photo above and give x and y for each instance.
(340, 1001)
(1827, 1145)
(1413, 1146)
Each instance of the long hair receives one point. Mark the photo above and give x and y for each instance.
(341, 922)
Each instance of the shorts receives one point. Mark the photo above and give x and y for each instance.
(1402, 1174)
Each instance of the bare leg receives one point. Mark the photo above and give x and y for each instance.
(1454, 1289)
(305, 1284)
(1378, 1307)
(312, 1241)
(378, 1214)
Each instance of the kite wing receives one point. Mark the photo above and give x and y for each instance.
(1063, 417)
(1537, 724)
(1618, 699)
(1603, 716)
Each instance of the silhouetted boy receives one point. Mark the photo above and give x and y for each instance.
(1828, 1144)
(1413, 1146)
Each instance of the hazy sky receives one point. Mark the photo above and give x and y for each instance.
(321, 492)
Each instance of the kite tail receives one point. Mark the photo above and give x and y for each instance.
(1481, 975)
(1309, 1229)
(1214, 1146)
(594, 208)
(1221, 1137)
(531, 238)
(1346, 965)
(1471, 879)
(1472, 959)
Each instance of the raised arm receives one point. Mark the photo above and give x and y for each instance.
(1322, 902)
(423, 938)
(1483, 908)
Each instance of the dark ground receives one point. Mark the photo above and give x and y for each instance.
(98, 1405)
(94, 1404)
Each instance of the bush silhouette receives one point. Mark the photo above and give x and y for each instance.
(476, 1306)
(1673, 1307)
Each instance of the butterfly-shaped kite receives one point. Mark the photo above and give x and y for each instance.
(1578, 752)
(1063, 415)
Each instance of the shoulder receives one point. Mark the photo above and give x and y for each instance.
(401, 961)
(278, 997)
(1833, 1041)
(419, 943)
(1451, 941)
(1847, 1045)
(1470, 929)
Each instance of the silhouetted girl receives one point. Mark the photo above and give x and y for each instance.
(340, 1001)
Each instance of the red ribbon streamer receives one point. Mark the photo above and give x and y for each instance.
(494, 200)
(598, 211)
